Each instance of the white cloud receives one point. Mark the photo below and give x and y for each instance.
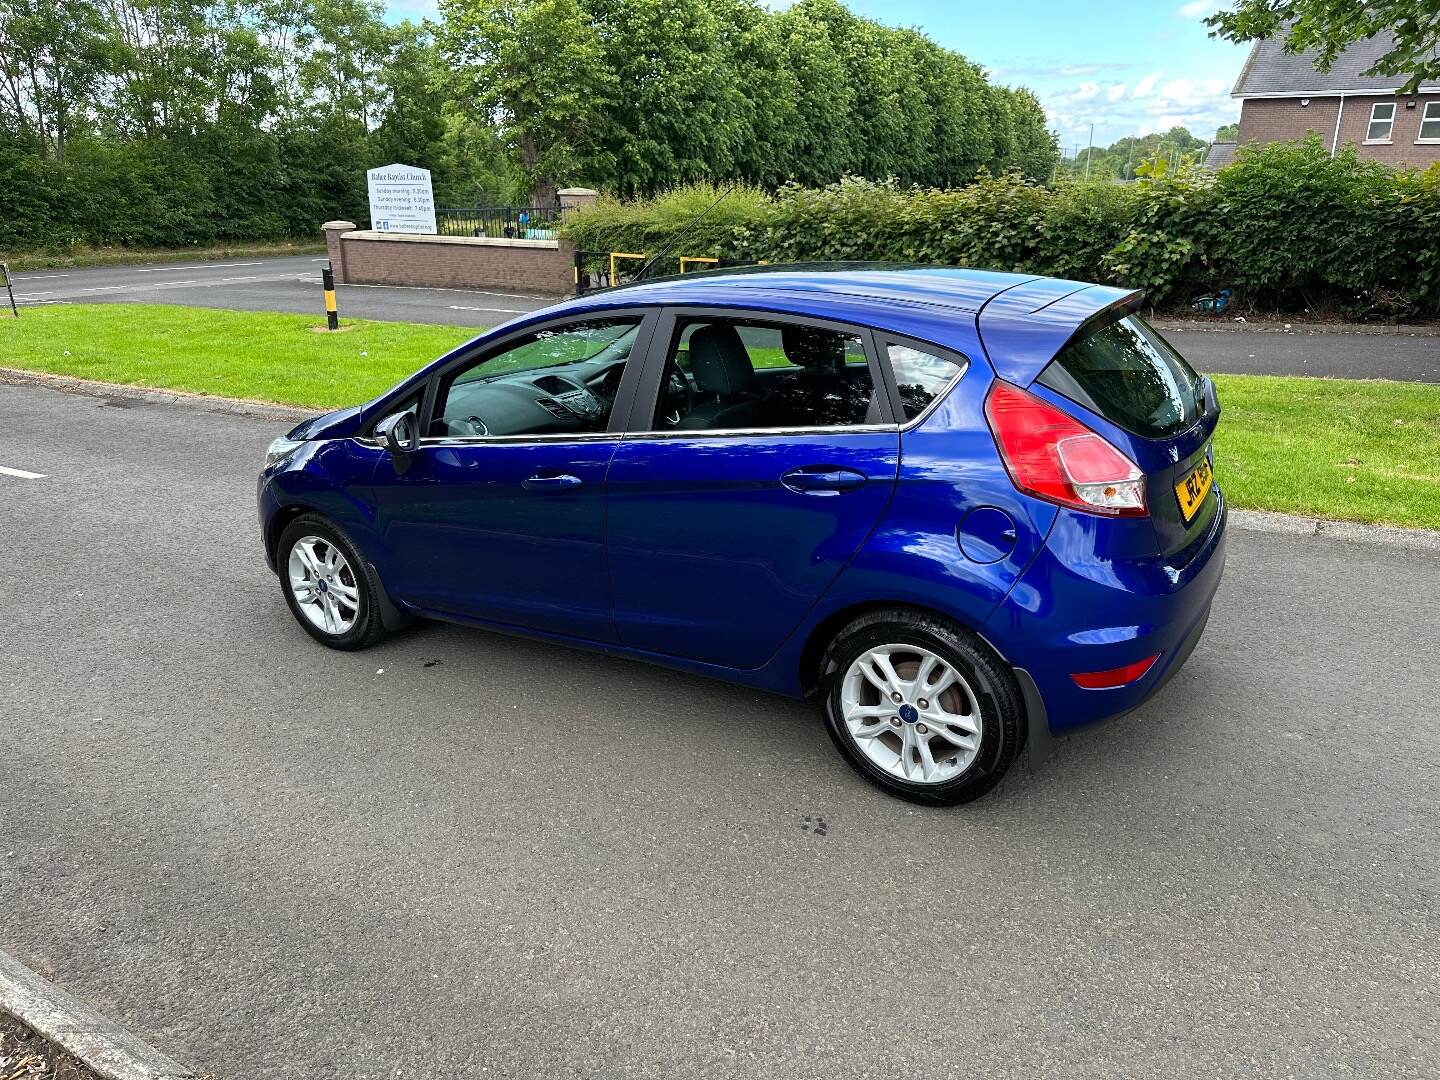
(1157, 102)
(1196, 8)
(1146, 85)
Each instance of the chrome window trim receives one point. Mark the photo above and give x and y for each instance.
(579, 436)
(700, 433)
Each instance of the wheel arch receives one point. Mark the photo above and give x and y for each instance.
(277, 524)
(822, 636)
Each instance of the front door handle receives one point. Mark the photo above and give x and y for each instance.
(562, 482)
(822, 480)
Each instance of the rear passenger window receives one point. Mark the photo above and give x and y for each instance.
(728, 374)
(920, 376)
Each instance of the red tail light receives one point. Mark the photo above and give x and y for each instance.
(1053, 456)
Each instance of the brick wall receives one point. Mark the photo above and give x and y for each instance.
(1283, 119)
(452, 262)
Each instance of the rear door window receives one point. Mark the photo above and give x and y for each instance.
(1127, 373)
(920, 376)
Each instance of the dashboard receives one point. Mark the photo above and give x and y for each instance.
(564, 399)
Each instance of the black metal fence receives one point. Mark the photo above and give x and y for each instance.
(509, 222)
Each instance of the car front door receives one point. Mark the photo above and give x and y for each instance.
(499, 514)
(762, 453)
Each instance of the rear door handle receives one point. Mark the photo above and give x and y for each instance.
(551, 483)
(822, 480)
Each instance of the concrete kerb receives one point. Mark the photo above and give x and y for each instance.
(236, 406)
(79, 1030)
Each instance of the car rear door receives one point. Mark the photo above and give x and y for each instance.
(721, 539)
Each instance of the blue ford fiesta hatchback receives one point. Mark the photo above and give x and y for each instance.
(963, 510)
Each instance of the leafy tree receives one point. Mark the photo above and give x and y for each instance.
(1331, 26)
(537, 69)
(1227, 133)
(52, 57)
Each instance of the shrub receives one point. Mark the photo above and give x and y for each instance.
(615, 225)
(1286, 228)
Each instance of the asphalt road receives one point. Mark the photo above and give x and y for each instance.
(293, 284)
(460, 854)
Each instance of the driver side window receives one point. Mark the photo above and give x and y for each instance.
(559, 380)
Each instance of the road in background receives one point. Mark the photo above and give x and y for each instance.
(461, 854)
(1324, 351)
(292, 284)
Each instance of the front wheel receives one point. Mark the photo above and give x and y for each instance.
(921, 708)
(331, 590)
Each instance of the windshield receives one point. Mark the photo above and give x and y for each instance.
(574, 344)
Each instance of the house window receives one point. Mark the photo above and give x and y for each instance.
(1430, 123)
(1382, 120)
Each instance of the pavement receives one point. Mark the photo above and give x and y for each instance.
(292, 283)
(461, 854)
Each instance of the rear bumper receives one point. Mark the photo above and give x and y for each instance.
(1088, 603)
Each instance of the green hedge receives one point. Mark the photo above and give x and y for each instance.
(1286, 228)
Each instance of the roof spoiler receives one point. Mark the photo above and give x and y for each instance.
(1023, 328)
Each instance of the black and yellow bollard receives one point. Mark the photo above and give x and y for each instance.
(9, 288)
(332, 317)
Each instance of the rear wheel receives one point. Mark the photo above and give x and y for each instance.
(331, 590)
(921, 708)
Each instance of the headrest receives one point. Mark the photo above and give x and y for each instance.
(718, 360)
(811, 347)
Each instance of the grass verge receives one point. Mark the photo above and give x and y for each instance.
(289, 359)
(1336, 448)
(1362, 451)
(23, 261)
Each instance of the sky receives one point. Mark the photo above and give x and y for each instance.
(1130, 67)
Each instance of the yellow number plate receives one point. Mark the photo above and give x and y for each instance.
(1194, 486)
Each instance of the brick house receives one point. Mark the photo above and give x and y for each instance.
(1282, 97)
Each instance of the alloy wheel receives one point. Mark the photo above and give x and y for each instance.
(911, 713)
(323, 584)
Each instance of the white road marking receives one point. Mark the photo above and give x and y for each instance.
(37, 277)
(506, 310)
(193, 266)
(198, 283)
(22, 474)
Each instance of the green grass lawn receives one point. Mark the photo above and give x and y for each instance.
(1364, 451)
(1338, 448)
(289, 359)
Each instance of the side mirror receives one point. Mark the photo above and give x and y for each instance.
(399, 434)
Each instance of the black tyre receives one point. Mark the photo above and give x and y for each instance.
(921, 707)
(331, 590)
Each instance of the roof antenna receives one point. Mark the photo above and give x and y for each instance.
(674, 240)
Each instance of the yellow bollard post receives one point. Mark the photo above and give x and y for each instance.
(332, 317)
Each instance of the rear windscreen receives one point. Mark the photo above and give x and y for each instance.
(1125, 372)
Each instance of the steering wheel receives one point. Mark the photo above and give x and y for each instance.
(679, 396)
